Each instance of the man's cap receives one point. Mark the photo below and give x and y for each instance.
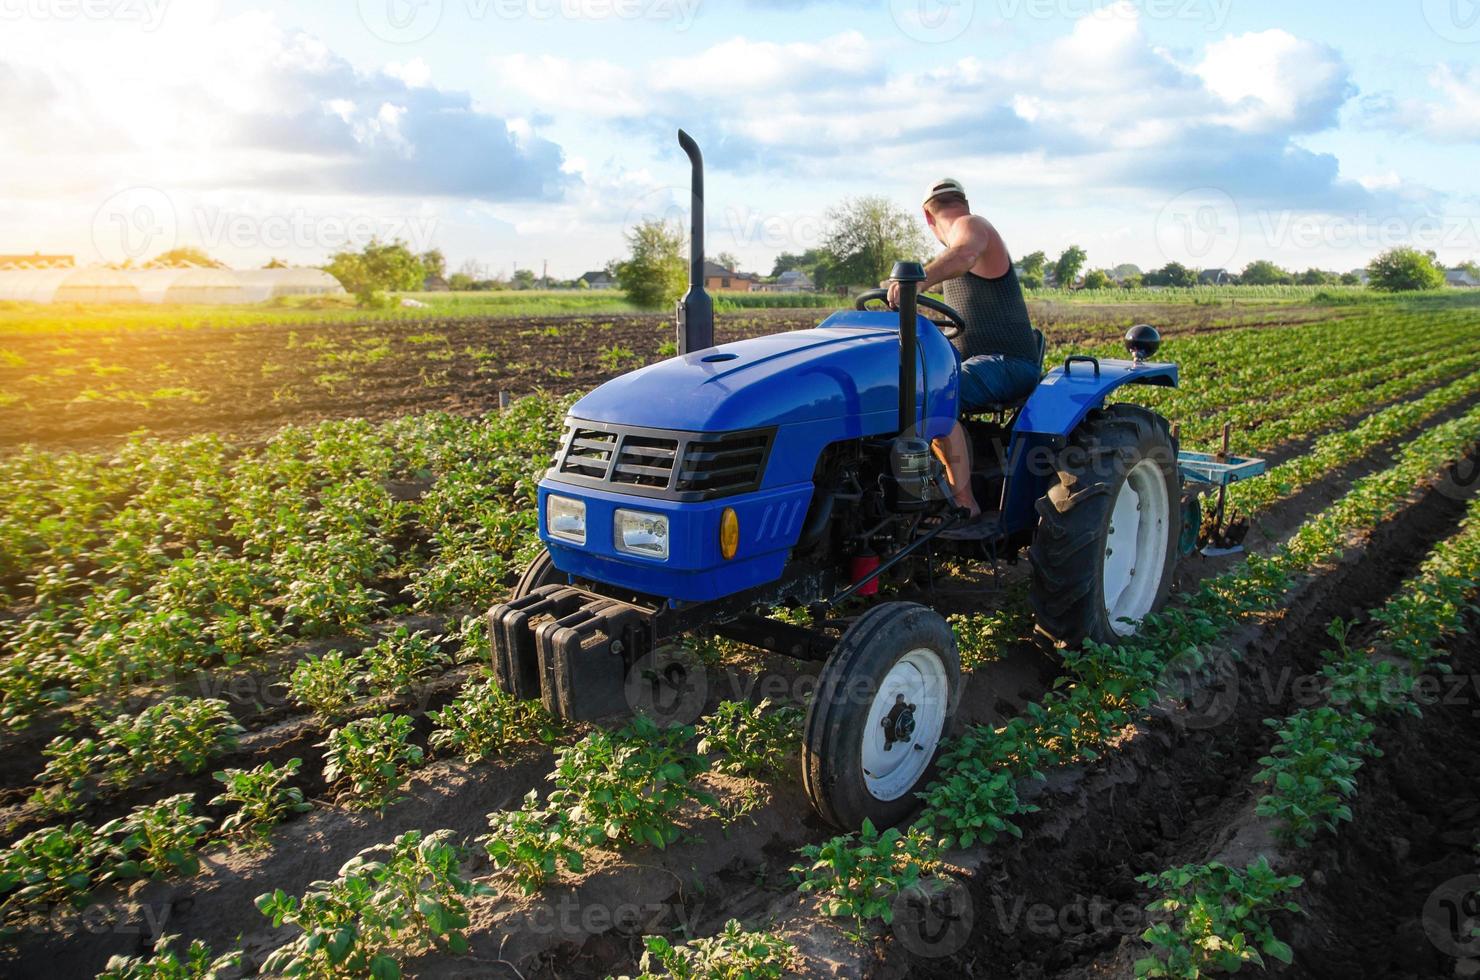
(946, 185)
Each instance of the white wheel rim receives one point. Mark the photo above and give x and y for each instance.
(1136, 546)
(905, 723)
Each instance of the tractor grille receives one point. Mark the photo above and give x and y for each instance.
(726, 464)
(663, 463)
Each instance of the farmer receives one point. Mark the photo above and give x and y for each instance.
(999, 354)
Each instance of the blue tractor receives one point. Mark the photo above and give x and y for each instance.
(795, 470)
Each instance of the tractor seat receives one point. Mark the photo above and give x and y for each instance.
(1007, 408)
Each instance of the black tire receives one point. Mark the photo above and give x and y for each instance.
(832, 748)
(539, 572)
(1069, 553)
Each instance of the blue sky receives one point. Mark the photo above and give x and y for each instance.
(523, 131)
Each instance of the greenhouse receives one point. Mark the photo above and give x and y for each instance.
(214, 287)
(67, 286)
(270, 284)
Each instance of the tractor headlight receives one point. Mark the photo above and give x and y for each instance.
(635, 532)
(565, 518)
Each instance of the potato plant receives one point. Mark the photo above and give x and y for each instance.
(628, 785)
(751, 739)
(1218, 919)
(483, 721)
(372, 757)
(328, 684)
(54, 864)
(177, 734)
(860, 875)
(158, 839)
(388, 900)
(262, 798)
(734, 953)
(403, 659)
(196, 963)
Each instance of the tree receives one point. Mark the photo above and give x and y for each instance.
(524, 279)
(1066, 269)
(435, 263)
(1126, 270)
(1172, 274)
(1350, 279)
(1472, 267)
(185, 258)
(1263, 272)
(460, 282)
(655, 274)
(382, 267)
(1405, 269)
(1316, 277)
(727, 260)
(1097, 279)
(865, 237)
(1132, 280)
(1032, 266)
(276, 264)
(805, 261)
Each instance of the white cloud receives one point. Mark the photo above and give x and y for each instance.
(1102, 106)
(1450, 115)
(241, 103)
(1273, 79)
(416, 73)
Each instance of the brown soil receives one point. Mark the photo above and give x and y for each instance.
(1169, 794)
(1065, 903)
(91, 388)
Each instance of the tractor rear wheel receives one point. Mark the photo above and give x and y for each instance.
(539, 572)
(884, 703)
(1109, 529)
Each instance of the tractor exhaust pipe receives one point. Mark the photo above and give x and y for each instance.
(909, 275)
(696, 309)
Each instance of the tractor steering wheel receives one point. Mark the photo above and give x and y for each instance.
(952, 328)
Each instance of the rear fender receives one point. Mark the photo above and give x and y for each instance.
(1069, 393)
(1052, 412)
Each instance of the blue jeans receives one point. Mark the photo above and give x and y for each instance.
(991, 379)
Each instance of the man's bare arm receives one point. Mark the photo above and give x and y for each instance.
(970, 240)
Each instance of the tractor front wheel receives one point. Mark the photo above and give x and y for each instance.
(1109, 530)
(884, 703)
(539, 572)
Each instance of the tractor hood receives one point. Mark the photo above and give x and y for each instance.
(847, 367)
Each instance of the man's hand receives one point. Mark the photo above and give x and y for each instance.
(893, 287)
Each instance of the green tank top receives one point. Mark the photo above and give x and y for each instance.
(996, 316)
